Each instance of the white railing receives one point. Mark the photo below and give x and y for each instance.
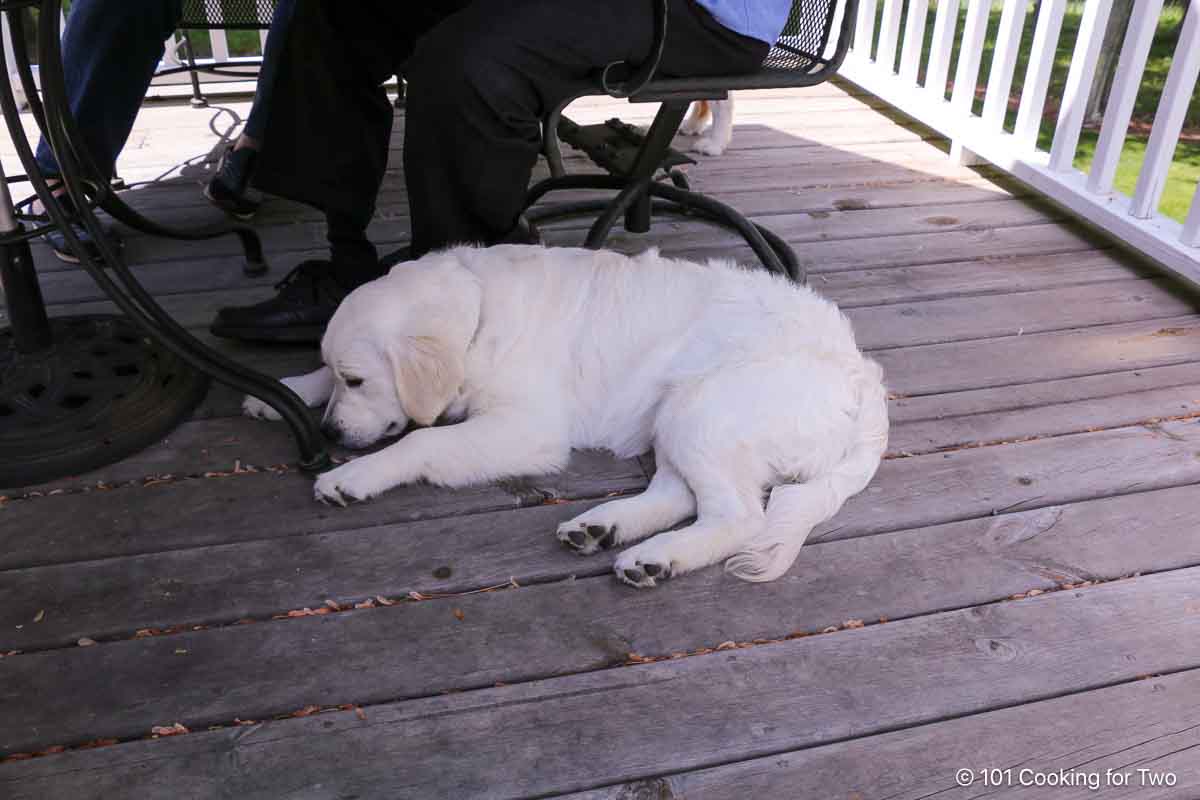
(175, 53)
(1133, 220)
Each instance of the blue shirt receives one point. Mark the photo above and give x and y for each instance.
(758, 19)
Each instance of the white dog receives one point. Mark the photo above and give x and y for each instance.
(743, 383)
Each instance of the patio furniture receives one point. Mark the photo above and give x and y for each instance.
(78, 392)
(805, 54)
(223, 15)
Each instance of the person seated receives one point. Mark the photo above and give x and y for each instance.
(110, 53)
(480, 78)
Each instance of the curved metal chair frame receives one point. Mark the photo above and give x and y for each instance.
(34, 343)
(798, 59)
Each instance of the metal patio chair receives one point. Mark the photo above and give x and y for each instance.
(229, 15)
(643, 169)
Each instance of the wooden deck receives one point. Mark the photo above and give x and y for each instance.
(1018, 588)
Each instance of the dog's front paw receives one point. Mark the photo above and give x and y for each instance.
(709, 146)
(642, 570)
(349, 483)
(253, 407)
(587, 539)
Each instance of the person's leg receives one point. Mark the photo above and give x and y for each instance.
(256, 122)
(110, 52)
(480, 83)
(325, 143)
(227, 188)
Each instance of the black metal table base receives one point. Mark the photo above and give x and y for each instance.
(80, 392)
(101, 392)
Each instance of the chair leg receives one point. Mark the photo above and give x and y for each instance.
(198, 100)
(658, 141)
(634, 193)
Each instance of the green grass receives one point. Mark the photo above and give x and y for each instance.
(1185, 169)
(241, 43)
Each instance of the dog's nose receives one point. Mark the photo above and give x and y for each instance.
(332, 432)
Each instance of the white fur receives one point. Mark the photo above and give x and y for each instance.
(743, 383)
(712, 140)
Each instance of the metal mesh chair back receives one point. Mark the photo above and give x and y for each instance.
(802, 45)
(227, 14)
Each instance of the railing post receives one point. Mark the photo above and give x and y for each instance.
(1079, 83)
(1168, 119)
(1004, 63)
(864, 30)
(1130, 68)
(969, 55)
(1191, 227)
(914, 41)
(966, 77)
(1037, 77)
(889, 34)
(945, 25)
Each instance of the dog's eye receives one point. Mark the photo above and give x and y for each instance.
(354, 383)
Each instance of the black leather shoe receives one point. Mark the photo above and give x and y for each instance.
(307, 298)
(227, 188)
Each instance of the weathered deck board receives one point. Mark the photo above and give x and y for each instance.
(957, 366)
(1137, 725)
(1074, 416)
(526, 739)
(192, 512)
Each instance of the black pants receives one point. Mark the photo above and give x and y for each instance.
(481, 76)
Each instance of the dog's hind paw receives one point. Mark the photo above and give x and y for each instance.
(253, 407)
(587, 539)
(643, 574)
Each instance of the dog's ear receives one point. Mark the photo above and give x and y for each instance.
(428, 373)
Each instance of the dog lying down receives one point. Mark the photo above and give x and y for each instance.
(746, 385)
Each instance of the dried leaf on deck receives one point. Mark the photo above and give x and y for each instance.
(169, 730)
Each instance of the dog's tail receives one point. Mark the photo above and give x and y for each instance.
(794, 509)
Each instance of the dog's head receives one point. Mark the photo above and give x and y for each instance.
(397, 347)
